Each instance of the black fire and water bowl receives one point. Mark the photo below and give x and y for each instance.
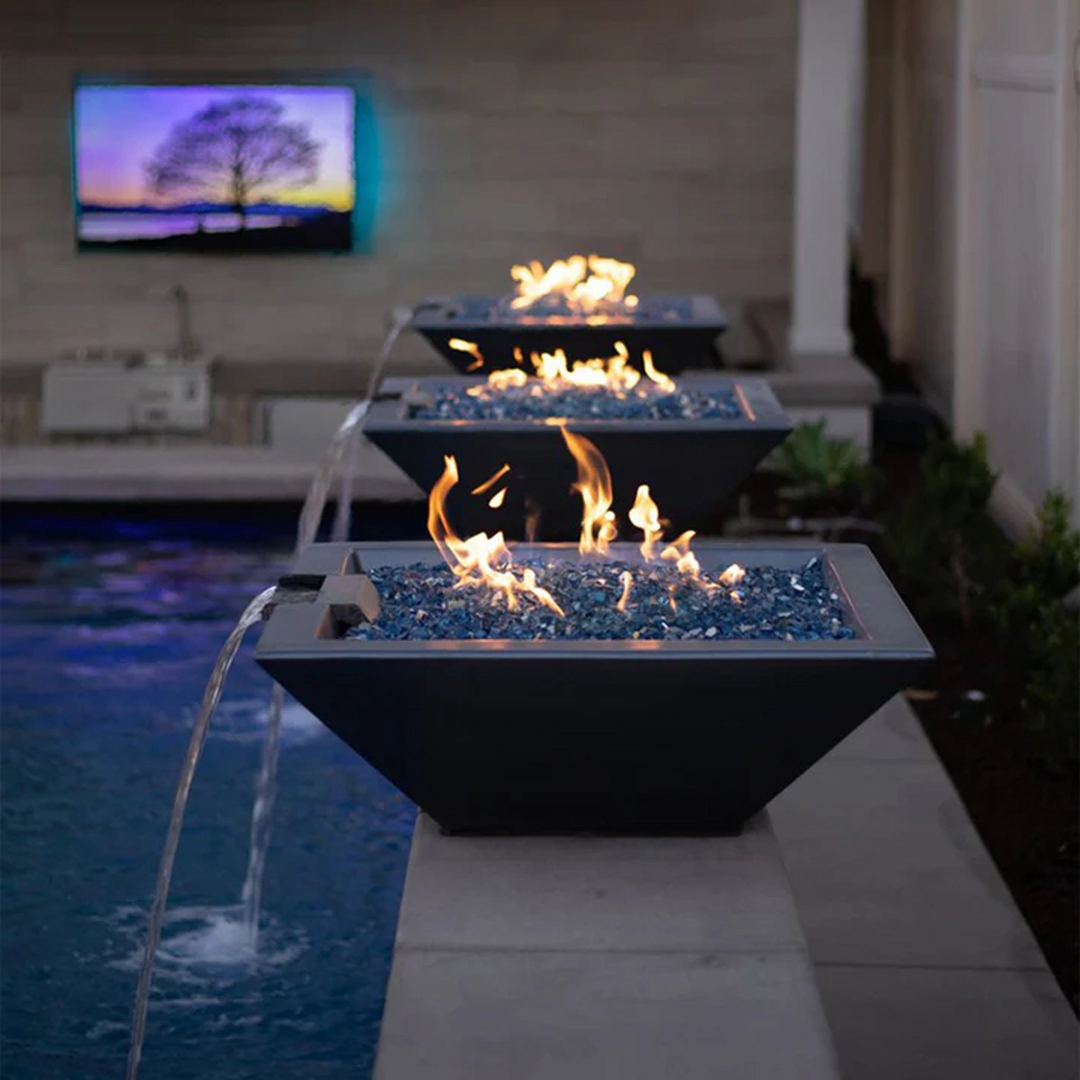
(681, 331)
(619, 737)
(689, 465)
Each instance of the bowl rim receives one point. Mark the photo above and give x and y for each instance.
(761, 410)
(885, 628)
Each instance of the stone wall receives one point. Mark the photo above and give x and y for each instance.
(659, 132)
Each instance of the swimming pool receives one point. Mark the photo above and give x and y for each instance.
(105, 657)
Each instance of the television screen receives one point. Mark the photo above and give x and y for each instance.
(217, 168)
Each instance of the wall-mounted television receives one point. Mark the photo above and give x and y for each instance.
(214, 167)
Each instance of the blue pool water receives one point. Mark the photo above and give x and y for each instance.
(104, 661)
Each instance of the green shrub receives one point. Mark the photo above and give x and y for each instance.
(820, 472)
(1051, 701)
(952, 563)
(1048, 559)
(1043, 568)
(1043, 632)
(946, 551)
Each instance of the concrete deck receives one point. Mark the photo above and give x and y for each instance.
(927, 969)
(593, 958)
(121, 473)
(586, 958)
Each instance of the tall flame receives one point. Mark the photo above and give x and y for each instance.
(666, 384)
(481, 560)
(486, 562)
(582, 284)
(594, 486)
(645, 514)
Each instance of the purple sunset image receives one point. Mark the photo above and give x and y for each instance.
(215, 168)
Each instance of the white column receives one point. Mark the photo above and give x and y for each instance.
(829, 63)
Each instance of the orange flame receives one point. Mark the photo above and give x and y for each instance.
(583, 284)
(645, 514)
(485, 561)
(666, 384)
(555, 372)
(685, 560)
(686, 563)
(490, 482)
(594, 485)
(481, 560)
(469, 347)
(732, 575)
(500, 380)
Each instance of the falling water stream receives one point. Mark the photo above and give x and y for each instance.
(262, 814)
(344, 444)
(343, 516)
(252, 614)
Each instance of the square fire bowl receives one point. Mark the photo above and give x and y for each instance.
(689, 465)
(622, 737)
(681, 331)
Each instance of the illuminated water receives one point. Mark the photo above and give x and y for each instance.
(104, 661)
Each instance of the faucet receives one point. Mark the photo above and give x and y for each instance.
(187, 347)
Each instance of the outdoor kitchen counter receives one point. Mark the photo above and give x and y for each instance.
(584, 958)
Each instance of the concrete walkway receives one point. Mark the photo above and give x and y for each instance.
(926, 968)
(592, 958)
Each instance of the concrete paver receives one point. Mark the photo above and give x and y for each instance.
(927, 969)
(590, 958)
(588, 1015)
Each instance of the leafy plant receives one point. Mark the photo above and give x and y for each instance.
(1052, 689)
(1043, 569)
(957, 478)
(1043, 631)
(818, 470)
(946, 550)
(1048, 559)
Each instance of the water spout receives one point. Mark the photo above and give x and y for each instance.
(266, 784)
(315, 501)
(262, 815)
(252, 614)
(344, 446)
(345, 438)
(343, 515)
